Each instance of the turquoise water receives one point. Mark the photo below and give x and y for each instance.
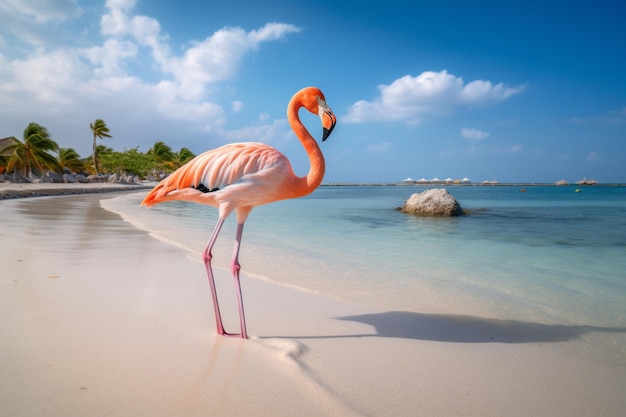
(547, 255)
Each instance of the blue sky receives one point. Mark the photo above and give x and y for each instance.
(489, 90)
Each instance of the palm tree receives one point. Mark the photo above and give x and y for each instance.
(102, 150)
(183, 156)
(70, 159)
(31, 156)
(99, 130)
(4, 160)
(162, 154)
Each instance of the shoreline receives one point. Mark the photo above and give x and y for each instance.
(101, 318)
(471, 184)
(10, 190)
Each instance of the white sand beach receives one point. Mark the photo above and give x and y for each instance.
(99, 319)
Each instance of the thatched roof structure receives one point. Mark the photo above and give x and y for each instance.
(5, 142)
(585, 181)
(4, 156)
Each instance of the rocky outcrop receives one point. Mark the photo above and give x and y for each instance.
(16, 178)
(97, 178)
(52, 177)
(69, 178)
(433, 203)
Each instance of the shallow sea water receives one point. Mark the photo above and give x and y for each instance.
(547, 255)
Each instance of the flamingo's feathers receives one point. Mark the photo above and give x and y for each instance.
(215, 169)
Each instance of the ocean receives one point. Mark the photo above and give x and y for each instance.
(537, 254)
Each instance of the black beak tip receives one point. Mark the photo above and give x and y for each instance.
(326, 133)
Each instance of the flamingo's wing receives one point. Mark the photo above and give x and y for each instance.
(215, 169)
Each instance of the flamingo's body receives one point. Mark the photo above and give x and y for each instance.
(240, 176)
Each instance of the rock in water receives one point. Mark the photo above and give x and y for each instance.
(435, 202)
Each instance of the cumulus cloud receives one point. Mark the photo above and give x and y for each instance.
(109, 59)
(101, 79)
(209, 61)
(471, 133)
(410, 99)
(145, 30)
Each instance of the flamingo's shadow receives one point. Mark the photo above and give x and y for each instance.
(468, 329)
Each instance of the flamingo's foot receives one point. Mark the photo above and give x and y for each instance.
(224, 333)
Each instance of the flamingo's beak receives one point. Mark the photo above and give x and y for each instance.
(328, 119)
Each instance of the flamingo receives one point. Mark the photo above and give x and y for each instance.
(240, 176)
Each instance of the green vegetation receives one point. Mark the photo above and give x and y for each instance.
(38, 154)
(69, 158)
(32, 155)
(131, 161)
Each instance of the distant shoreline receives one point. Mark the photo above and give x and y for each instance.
(22, 190)
(502, 184)
(26, 190)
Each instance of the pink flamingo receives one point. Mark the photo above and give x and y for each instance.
(241, 176)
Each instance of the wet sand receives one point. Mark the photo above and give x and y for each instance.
(10, 190)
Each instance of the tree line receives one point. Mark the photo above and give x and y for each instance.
(37, 153)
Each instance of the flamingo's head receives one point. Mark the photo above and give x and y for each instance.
(328, 117)
(314, 101)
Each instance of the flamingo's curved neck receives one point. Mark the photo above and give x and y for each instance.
(315, 175)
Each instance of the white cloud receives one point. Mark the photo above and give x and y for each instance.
(212, 60)
(277, 131)
(102, 80)
(42, 10)
(410, 99)
(217, 57)
(28, 23)
(109, 58)
(271, 32)
(471, 133)
(145, 30)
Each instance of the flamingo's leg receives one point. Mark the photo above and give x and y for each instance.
(207, 256)
(235, 268)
